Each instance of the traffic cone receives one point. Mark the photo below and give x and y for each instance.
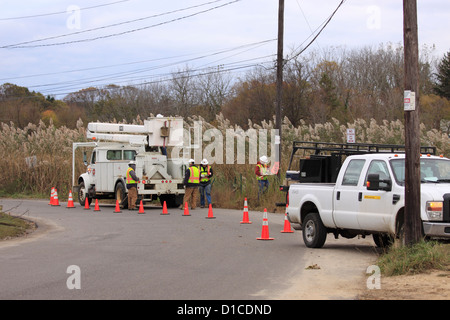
(70, 201)
(164, 212)
(86, 204)
(186, 210)
(245, 216)
(55, 199)
(52, 195)
(96, 207)
(141, 208)
(117, 210)
(210, 213)
(287, 224)
(265, 228)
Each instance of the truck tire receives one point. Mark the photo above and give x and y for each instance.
(313, 230)
(383, 240)
(82, 194)
(121, 195)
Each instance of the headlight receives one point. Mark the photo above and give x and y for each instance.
(435, 210)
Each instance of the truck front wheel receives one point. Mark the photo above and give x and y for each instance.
(313, 230)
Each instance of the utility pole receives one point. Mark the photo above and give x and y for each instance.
(279, 78)
(412, 223)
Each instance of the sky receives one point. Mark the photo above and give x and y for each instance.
(59, 47)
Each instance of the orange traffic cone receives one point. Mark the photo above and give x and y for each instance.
(287, 224)
(86, 204)
(245, 216)
(164, 212)
(52, 195)
(141, 208)
(210, 213)
(117, 210)
(55, 199)
(96, 207)
(265, 228)
(70, 201)
(186, 210)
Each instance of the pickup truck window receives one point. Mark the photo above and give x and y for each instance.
(353, 172)
(431, 170)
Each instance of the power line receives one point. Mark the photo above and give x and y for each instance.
(61, 12)
(20, 45)
(325, 23)
(246, 47)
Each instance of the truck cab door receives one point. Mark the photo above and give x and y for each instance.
(376, 206)
(346, 195)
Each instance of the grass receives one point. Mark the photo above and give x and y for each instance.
(418, 258)
(11, 226)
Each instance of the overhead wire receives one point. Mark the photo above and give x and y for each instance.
(27, 43)
(61, 12)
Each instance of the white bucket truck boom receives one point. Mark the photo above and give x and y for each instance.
(115, 145)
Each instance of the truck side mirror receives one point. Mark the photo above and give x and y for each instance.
(85, 158)
(373, 182)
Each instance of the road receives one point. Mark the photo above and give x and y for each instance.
(149, 256)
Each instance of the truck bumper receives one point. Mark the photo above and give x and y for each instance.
(435, 229)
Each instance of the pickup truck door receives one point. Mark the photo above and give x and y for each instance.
(345, 197)
(376, 206)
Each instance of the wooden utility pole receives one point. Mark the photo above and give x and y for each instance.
(279, 76)
(412, 223)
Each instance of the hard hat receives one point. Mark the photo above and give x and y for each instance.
(191, 161)
(131, 162)
(264, 159)
(204, 162)
(159, 115)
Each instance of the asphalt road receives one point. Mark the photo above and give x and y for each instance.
(146, 256)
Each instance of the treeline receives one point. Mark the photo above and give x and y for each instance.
(336, 83)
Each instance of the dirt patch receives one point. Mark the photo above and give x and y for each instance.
(341, 271)
(434, 285)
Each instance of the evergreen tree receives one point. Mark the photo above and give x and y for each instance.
(442, 87)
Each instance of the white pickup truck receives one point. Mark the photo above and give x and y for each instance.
(351, 206)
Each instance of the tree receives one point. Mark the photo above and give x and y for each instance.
(442, 86)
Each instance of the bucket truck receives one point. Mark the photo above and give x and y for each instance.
(115, 145)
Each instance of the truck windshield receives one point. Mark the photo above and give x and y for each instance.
(431, 170)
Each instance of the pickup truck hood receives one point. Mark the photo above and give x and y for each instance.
(434, 191)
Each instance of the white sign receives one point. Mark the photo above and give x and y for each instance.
(351, 136)
(410, 100)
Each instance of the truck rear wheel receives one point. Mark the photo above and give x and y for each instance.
(313, 230)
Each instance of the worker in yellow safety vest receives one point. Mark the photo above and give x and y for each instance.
(262, 172)
(206, 173)
(132, 181)
(191, 183)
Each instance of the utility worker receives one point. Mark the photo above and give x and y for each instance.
(262, 172)
(206, 174)
(132, 181)
(191, 183)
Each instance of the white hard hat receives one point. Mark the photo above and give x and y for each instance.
(191, 161)
(264, 159)
(159, 115)
(131, 162)
(204, 162)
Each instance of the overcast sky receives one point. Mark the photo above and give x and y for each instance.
(58, 47)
